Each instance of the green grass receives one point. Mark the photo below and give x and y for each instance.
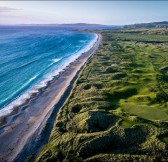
(119, 104)
(165, 139)
(126, 124)
(146, 112)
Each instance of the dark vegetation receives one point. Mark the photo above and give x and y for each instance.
(118, 108)
(163, 24)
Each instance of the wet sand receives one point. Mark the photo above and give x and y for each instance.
(23, 129)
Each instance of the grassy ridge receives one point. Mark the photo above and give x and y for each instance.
(118, 109)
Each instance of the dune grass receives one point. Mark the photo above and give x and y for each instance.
(119, 105)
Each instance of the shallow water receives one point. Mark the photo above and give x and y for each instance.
(31, 56)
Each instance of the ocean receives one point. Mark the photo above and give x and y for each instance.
(30, 56)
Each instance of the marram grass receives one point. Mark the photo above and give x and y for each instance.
(118, 110)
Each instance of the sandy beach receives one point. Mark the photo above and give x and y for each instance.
(22, 132)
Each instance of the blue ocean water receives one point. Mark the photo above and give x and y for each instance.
(31, 56)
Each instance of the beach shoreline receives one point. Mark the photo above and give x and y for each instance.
(27, 123)
(15, 106)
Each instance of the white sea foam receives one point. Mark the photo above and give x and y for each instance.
(56, 60)
(26, 95)
(53, 61)
(82, 41)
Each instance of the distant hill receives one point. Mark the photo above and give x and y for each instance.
(87, 26)
(82, 24)
(74, 26)
(163, 24)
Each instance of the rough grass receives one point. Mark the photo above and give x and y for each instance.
(118, 110)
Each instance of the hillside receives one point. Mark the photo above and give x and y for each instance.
(163, 24)
(118, 109)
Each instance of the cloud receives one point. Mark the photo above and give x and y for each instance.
(7, 9)
(12, 15)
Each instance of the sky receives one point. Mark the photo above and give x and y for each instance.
(95, 12)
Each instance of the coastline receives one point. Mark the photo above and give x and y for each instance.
(25, 98)
(110, 114)
(29, 121)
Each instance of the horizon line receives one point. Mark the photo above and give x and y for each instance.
(80, 23)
